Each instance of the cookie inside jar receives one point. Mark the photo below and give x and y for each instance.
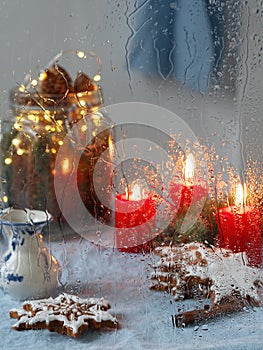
(54, 110)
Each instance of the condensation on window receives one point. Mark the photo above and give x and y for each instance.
(136, 126)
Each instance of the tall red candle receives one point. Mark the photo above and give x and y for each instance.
(134, 222)
(240, 230)
(183, 195)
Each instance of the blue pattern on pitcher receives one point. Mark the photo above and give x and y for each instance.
(7, 257)
(28, 270)
(14, 278)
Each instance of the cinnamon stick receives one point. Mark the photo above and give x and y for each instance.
(227, 306)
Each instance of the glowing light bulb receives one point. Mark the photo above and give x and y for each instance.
(22, 88)
(17, 126)
(42, 76)
(82, 103)
(97, 77)
(84, 128)
(81, 54)
(34, 82)
(20, 152)
(54, 260)
(47, 117)
(33, 118)
(8, 161)
(15, 142)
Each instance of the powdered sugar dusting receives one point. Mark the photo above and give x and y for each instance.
(220, 270)
(71, 312)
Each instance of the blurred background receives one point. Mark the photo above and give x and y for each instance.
(199, 59)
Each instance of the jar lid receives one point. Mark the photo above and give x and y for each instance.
(33, 100)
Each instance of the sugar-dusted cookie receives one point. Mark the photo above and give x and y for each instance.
(65, 314)
(196, 269)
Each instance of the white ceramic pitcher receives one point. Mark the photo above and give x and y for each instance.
(28, 270)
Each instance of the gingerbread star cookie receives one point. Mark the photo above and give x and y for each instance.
(65, 314)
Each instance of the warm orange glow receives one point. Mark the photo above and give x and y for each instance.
(54, 260)
(22, 88)
(65, 166)
(42, 76)
(20, 152)
(33, 118)
(16, 142)
(111, 148)
(8, 161)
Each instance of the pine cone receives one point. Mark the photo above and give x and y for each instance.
(56, 82)
(83, 83)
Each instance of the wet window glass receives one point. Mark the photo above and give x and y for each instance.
(130, 174)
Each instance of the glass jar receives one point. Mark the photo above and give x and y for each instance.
(32, 137)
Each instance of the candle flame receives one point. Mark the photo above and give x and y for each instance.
(240, 194)
(137, 192)
(189, 168)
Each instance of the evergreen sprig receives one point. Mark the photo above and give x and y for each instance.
(204, 229)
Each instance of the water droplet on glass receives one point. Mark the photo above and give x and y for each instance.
(204, 327)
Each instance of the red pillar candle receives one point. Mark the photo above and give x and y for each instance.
(240, 230)
(182, 195)
(134, 222)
